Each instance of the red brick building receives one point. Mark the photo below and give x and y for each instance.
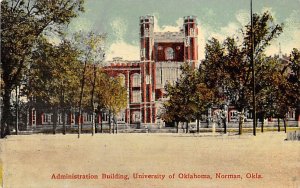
(161, 55)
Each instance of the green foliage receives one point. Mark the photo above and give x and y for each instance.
(230, 61)
(22, 23)
(110, 94)
(53, 75)
(189, 97)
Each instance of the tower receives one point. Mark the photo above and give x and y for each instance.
(147, 69)
(190, 40)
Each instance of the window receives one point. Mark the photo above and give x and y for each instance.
(234, 116)
(87, 117)
(191, 31)
(147, 32)
(121, 117)
(136, 96)
(169, 53)
(148, 79)
(136, 117)
(72, 119)
(33, 117)
(47, 118)
(105, 117)
(187, 41)
(153, 96)
(136, 80)
(60, 119)
(158, 75)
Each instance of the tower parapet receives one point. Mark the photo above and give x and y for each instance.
(146, 37)
(191, 39)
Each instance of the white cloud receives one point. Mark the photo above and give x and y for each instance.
(201, 42)
(165, 28)
(124, 50)
(290, 38)
(120, 48)
(243, 17)
(119, 27)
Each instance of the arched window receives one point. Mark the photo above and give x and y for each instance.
(169, 53)
(122, 78)
(136, 80)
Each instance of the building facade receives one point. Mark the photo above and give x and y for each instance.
(161, 55)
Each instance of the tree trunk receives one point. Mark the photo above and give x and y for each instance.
(109, 122)
(241, 122)
(96, 124)
(79, 122)
(198, 125)
(93, 123)
(64, 120)
(225, 125)
(17, 112)
(284, 124)
(6, 116)
(113, 127)
(262, 123)
(177, 126)
(116, 127)
(80, 100)
(101, 125)
(187, 127)
(278, 120)
(63, 115)
(93, 102)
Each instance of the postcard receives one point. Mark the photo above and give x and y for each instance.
(135, 93)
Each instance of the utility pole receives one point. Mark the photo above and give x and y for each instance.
(17, 111)
(253, 72)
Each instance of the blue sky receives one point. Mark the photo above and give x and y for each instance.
(216, 18)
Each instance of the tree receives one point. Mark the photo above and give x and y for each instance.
(230, 62)
(91, 46)
(189, 98)
(286, 85)
(22, 22)
(294, 81)
(111, 95)
(53, 78)
(267, 76)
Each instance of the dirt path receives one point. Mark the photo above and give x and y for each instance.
(150, 160)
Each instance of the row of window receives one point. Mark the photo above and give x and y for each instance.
(136, 80)
(47, 118)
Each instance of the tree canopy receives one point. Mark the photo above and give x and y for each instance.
(22, 23)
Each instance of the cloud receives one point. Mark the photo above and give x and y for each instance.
(120, 48)
(290, 38)
(119, 27)
(130, 51)
(124, 50)
(166, 28)
(80, 24)
(243, 17)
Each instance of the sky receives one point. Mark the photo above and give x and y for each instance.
(119, 19)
